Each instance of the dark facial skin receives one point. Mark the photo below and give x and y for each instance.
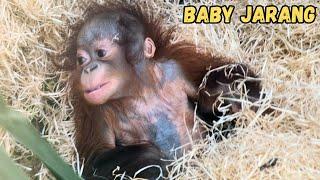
(104, 70)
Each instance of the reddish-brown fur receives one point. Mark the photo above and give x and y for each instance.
(193, 62)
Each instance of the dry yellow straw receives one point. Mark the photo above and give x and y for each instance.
(287, 58)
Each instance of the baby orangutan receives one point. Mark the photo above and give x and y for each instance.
(134, 91)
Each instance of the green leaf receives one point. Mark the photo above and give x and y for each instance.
(8, 170)
(25, 133)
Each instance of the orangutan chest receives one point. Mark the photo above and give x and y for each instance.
(164, 132)
(162, 117)
(161, 122)
(159, 127)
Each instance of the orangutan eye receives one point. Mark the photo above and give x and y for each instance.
(81, 60)
(101, 52)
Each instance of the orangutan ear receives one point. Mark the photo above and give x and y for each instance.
(149, 48)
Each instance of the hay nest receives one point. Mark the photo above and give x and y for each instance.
(287, 58)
